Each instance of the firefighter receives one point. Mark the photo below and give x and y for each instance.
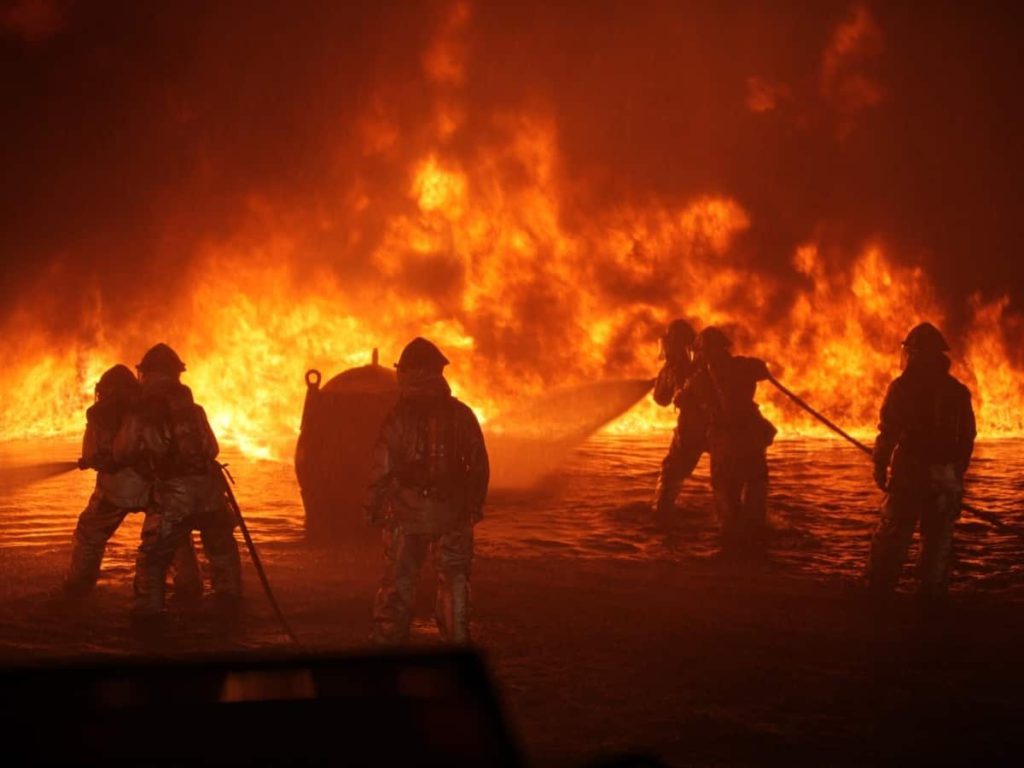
(689, 439)
(167, 437)
(925, 439)
(427, 489)
(722, 388)
(119, 491)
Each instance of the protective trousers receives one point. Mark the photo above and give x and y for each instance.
(452, 555)
(902, 509)
(96, 525)
(739, 481)
(683, 455)
(178, 508)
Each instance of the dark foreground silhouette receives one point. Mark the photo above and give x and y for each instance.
(723, 663)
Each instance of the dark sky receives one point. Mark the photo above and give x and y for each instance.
(132, 132)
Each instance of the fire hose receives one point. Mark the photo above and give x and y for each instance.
(37, 472)
(257, 563)
(988, 517)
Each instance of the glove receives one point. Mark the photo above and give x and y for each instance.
(882, 477)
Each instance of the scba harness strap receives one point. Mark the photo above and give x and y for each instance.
(432, 469)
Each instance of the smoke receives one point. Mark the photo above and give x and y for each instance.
(32, 21)
(492, 174)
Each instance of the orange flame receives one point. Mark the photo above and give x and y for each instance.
(519, 297)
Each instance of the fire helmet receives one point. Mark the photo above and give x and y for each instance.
(711, 340)
(161, 359)
(420, 353)
(118, 379)
(925, 337)
(678, 336)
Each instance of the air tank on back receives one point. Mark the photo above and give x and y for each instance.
(340, 424)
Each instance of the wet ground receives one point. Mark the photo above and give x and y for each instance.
(823, 506)
(607, 629)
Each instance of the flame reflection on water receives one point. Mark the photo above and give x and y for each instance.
(823, 507)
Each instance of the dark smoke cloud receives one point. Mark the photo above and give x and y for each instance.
(909, 133)
(135, 133)
(32, 21)
(145, 130)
